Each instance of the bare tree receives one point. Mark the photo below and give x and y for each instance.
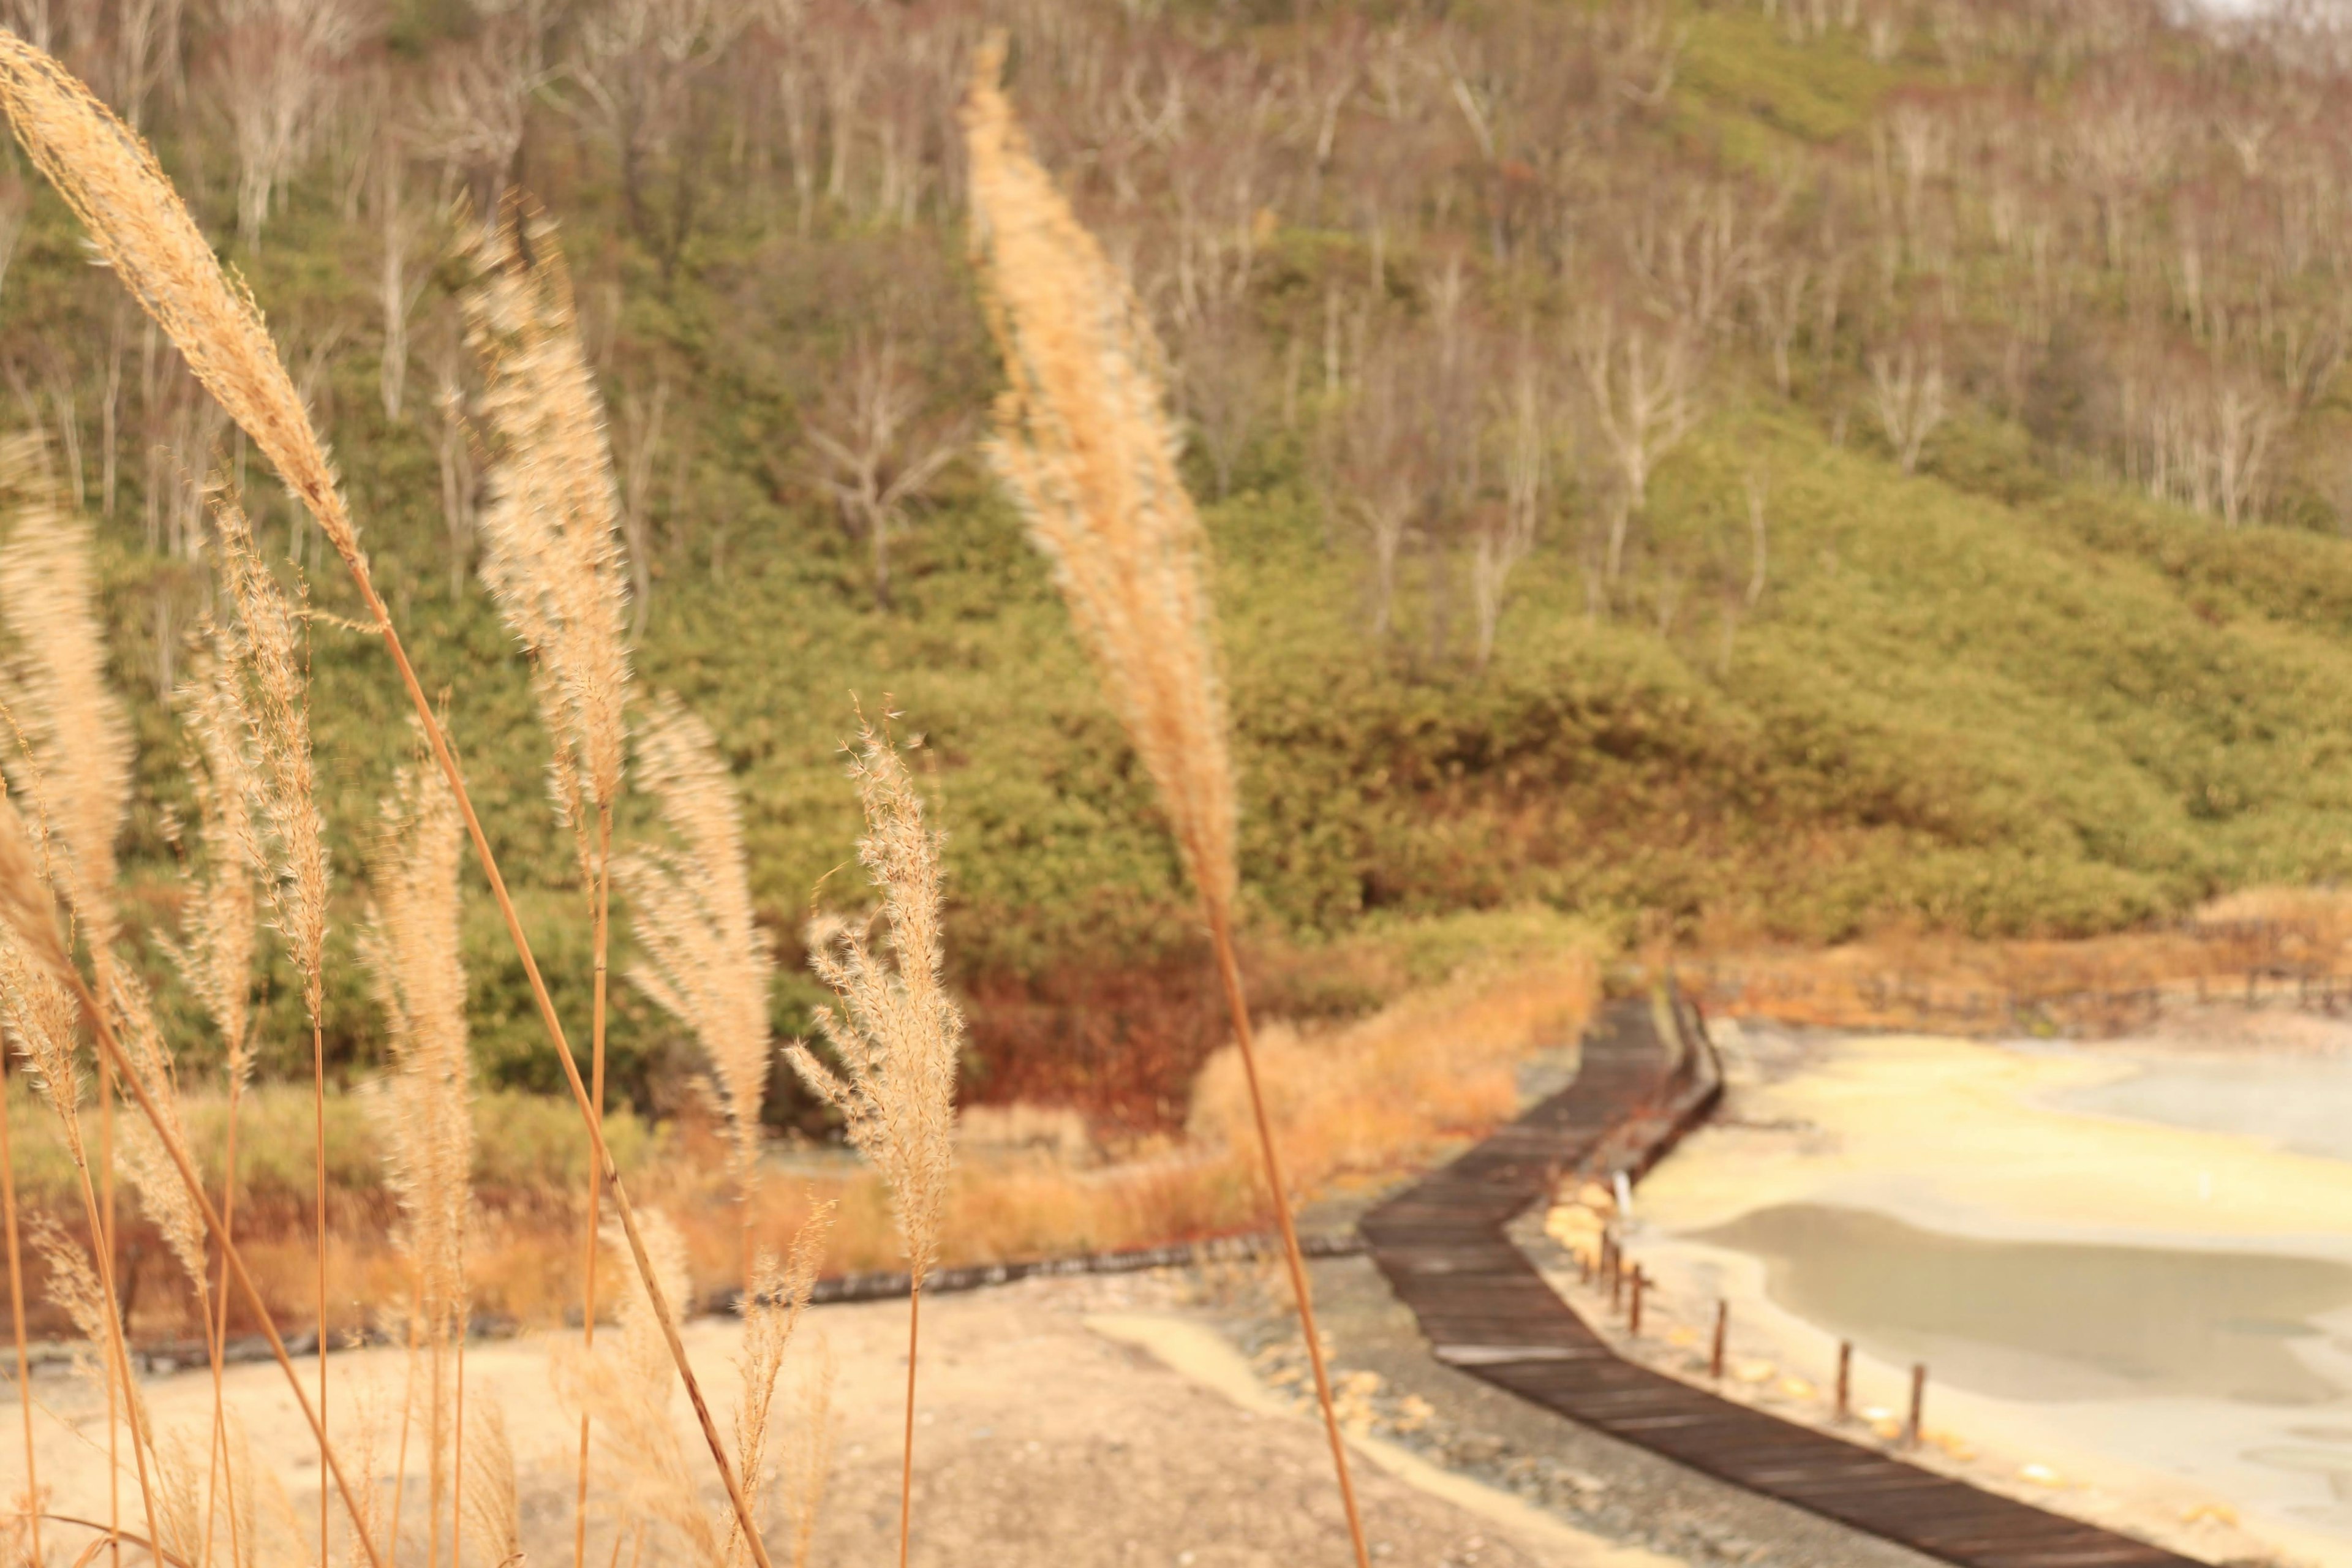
(1508, 533)
(876, 455)
(470, 113)
(400, 281)
(275, 62)
(1779, 291)
(638, 69)
(1383, 467)
(1642, 373)
(1222, 378)
(639, 445)
(1907, 391)
(452, 448)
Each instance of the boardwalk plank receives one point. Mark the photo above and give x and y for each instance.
(1489, 1312)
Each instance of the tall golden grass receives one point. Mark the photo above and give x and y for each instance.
(554, 564)
(1085, 444)
(138, 224)
(894, 1034)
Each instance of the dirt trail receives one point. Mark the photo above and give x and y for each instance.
(1041, 1439)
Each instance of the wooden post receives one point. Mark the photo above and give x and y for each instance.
(1845, 1379)
(2250, 987)
(1912, 1428)
(1633, 1323)
(1714, 1357)
(1616, 1279)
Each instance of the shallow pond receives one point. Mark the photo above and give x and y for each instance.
(2051, 1320)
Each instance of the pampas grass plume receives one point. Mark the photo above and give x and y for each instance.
(895, 1032)
(552, 526)
(706, 963)
(1085, 446)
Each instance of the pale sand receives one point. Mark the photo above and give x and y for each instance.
(1078, 1422)
(1966, 1138)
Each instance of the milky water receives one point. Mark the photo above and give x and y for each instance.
(2052, 1321)
(2223, 1364)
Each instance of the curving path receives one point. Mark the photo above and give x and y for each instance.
(1485, 1310)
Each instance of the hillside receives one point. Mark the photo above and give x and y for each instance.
(1910, 609)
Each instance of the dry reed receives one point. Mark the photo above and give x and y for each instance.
(110, 178)
(277, 708)
(216, 953)
(624, 1383)
(554, 564)
(74, 765)
(1086, 446)
(41, 992)
(896, 1036)
(412, 948)
(706, 963)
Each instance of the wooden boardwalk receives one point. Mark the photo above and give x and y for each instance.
(1486, 1310)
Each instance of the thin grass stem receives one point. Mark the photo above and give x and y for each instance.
(458, 1462)
(119, 1364)
(631, 1228)
(407, 1411)
(907, 1449)
(595, 1185)
(17, 1321)
(319, 1232)
(218, 1331)
(110, 1050)
(101, 1241)
(1237, 1004)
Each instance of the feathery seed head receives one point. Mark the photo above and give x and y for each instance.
(552, 522)
(1085, 445)
(706, 964)
(895, 1033)
(275, 697)
(108, 175)
(78, 768)
(777, 1294)
(215, 956)
(412, 946)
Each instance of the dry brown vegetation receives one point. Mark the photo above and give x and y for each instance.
(1084, 444)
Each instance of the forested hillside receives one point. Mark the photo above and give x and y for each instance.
(1764, 468)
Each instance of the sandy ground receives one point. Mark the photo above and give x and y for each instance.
(1080, 1422)
(2102, 1147)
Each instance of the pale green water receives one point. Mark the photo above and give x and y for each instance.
(2049, 1320)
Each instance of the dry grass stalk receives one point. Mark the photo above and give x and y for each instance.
(551, 524)
(110, 177)
(490, 1497)
(896, 1034)
(1085, 444)
(413, 949)
(278, 707)
(776, 1294)
(79, 744)
(35, 950)
(215, 956)
(29, 1515)
(88, 1297)
(706, 964)
(75, 762)
(624, 1384)
(808, 1452)
(553, 564)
